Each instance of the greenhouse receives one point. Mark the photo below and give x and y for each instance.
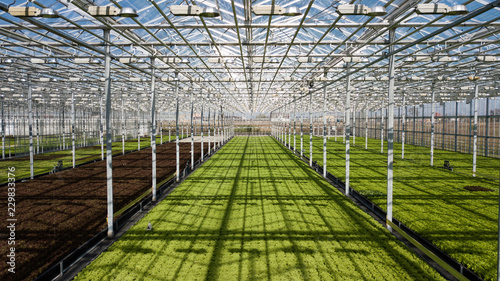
(250, 140)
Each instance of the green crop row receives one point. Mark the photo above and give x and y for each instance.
(487, 167)
(255, 211)
(431, 200)
(45, 162)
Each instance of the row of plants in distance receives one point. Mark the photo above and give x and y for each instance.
(44, 163)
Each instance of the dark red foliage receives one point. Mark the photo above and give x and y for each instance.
(57, 213)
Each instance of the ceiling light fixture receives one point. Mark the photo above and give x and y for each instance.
(275, 10)
(111, 11)
(361, 10)
(86, 61)
(436, 9)
(194, 10)
(48, 13)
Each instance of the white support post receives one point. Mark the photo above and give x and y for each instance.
(474, 145)
(123, 127)
(354, 125)
(3, 130)
(289, 129)
(382, 130)
(73, 133)
(30, 124)
(221, 130)
(208, 122)
(324, 126)
(301, 128)
(153, 130)
(282, 130)
(214, 131)
(218, 129)
(84, 127)
(404, 128)
(63, 105)
(201, 132)
(177, 148)
(192, 127)
(345, 122)
(294, 121)
(433, 112)
(101, 126)
(347, 130)
(366, 129)
(138, 129)
(310, 128)
(390, 128)
(109, 145)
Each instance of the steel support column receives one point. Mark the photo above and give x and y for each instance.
(208, 122)
(381, 130)
(30, 124)
(366, 129)
(347, 129)
(73, 133)
(301, 131)
(138, 129)
(3, 130)
(390, 129)
(177, 156)
(404, 128)
(153, 130)
(324, 126)
(101, 125)
(294, 121)
(354, 125)
(201, 132)
(486, 129)
(433, 112)
(109, 145)
(192, 126)
(123, 126)
(310, 128)
(474, 145)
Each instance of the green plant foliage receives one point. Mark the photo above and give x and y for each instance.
(255, 211)
(430, 200)
(43, 163)
(371, 193)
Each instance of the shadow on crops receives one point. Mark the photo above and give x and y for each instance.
(283, 225)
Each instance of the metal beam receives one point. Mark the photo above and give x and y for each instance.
(109, 144)
(153, 130)
(177, 149)
(390, 128)
(347, 129)
(30, 124)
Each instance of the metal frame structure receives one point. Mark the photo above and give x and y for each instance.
(232, 60)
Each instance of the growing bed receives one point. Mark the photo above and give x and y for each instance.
(255, 211)
(432, 201)
(57, 213)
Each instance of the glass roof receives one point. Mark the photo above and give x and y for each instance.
(252, 63)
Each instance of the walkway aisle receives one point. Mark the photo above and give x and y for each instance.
(254, 211)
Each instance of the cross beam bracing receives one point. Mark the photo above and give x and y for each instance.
(251, 62)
